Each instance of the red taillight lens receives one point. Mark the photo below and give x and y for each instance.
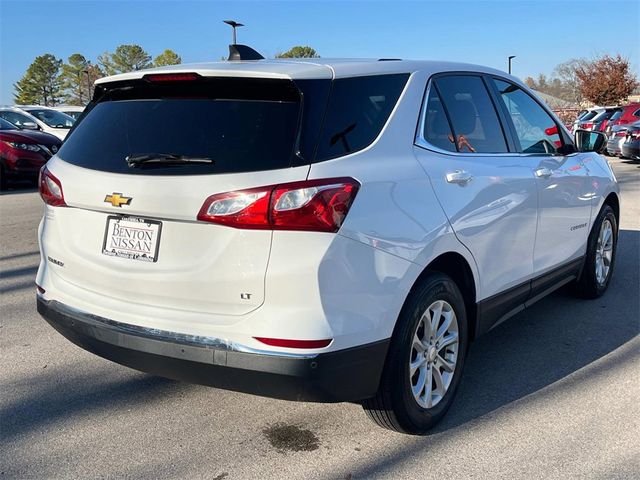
(312, 205)
(171, 77)
(285, 342)
(586, 126)
(621, 133)
(241, 209)
(551, 131)
(51, 189)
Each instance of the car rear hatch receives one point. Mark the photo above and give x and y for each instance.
(137, 169)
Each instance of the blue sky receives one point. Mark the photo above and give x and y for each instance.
(541, 34)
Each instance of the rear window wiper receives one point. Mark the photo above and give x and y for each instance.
(164, 158)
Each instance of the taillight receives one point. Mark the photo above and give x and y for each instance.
(621, 133)
(312, 205)
(50, 189)
(587, 126)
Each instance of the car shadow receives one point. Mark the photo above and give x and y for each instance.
(554, 338)
(49, 402)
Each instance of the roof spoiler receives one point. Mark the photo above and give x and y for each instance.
(239, 52)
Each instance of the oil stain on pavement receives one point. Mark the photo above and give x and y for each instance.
(291, 438)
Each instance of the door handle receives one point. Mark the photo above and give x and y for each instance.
(459, 176)
(544, 172)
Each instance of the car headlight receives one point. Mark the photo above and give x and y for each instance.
(24, 146)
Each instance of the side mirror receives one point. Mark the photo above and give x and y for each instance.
(588, 141)
(30, 125)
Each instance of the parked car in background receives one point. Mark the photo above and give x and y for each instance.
(351, 227)
(615, 140)
(601, 120)
(38, 118)
(628, 114)
(74, 111)
(24, 152)
(55, 122)
(631, 146)
(584, 121)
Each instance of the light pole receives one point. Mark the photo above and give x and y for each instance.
(88, 85)
(511, 57)
(234, 25)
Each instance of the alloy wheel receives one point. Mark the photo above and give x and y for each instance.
(434, 353)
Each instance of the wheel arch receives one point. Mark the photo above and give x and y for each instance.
(614, 202)
(456, 266)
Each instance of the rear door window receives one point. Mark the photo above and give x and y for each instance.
(358, 109)
(535, 129)
(473, 119)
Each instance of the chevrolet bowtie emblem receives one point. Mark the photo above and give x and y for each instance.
(117, 200)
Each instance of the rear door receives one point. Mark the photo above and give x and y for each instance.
(487, 191)
(564, 187)
(130, 232)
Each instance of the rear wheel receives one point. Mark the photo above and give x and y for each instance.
(3, 178)
(601, 254)
(425, 359)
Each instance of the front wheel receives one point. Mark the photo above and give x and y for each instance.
(601, 255)
(425, 359)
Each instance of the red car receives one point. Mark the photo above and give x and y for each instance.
(23, 152)
(627, 114)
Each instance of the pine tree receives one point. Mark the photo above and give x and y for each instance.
(41, 84)
(168, 57)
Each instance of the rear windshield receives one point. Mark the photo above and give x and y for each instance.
(589, 115)
(241, 125)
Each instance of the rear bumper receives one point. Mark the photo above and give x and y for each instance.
(345, 375)
(631, 150)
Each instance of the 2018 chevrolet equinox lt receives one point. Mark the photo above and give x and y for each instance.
(318, 230)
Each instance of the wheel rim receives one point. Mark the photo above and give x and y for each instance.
(604, 252)
(434, 353)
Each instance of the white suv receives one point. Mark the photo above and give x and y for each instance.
(317, 230)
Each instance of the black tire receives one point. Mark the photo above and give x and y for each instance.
(588, 285)
(394, 406)
(3, 179)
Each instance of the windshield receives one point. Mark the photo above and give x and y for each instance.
(4, 125)
(53, 118)
(241, 127)
(74, 115)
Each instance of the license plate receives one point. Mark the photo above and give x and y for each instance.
(132, 237)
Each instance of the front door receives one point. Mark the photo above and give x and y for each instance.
(487, 191)
(562, 181)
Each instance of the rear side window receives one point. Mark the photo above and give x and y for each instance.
(536, 130)
(240, 124)
(473, 118)
(436, 126)
(357, 111)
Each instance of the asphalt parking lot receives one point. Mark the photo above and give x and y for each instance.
(553, 393)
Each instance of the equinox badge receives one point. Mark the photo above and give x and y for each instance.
(117, 200)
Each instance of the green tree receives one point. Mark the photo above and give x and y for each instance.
(168, 57)
(126, 58)
(41, 83)
(77, 78)
(299, 52)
